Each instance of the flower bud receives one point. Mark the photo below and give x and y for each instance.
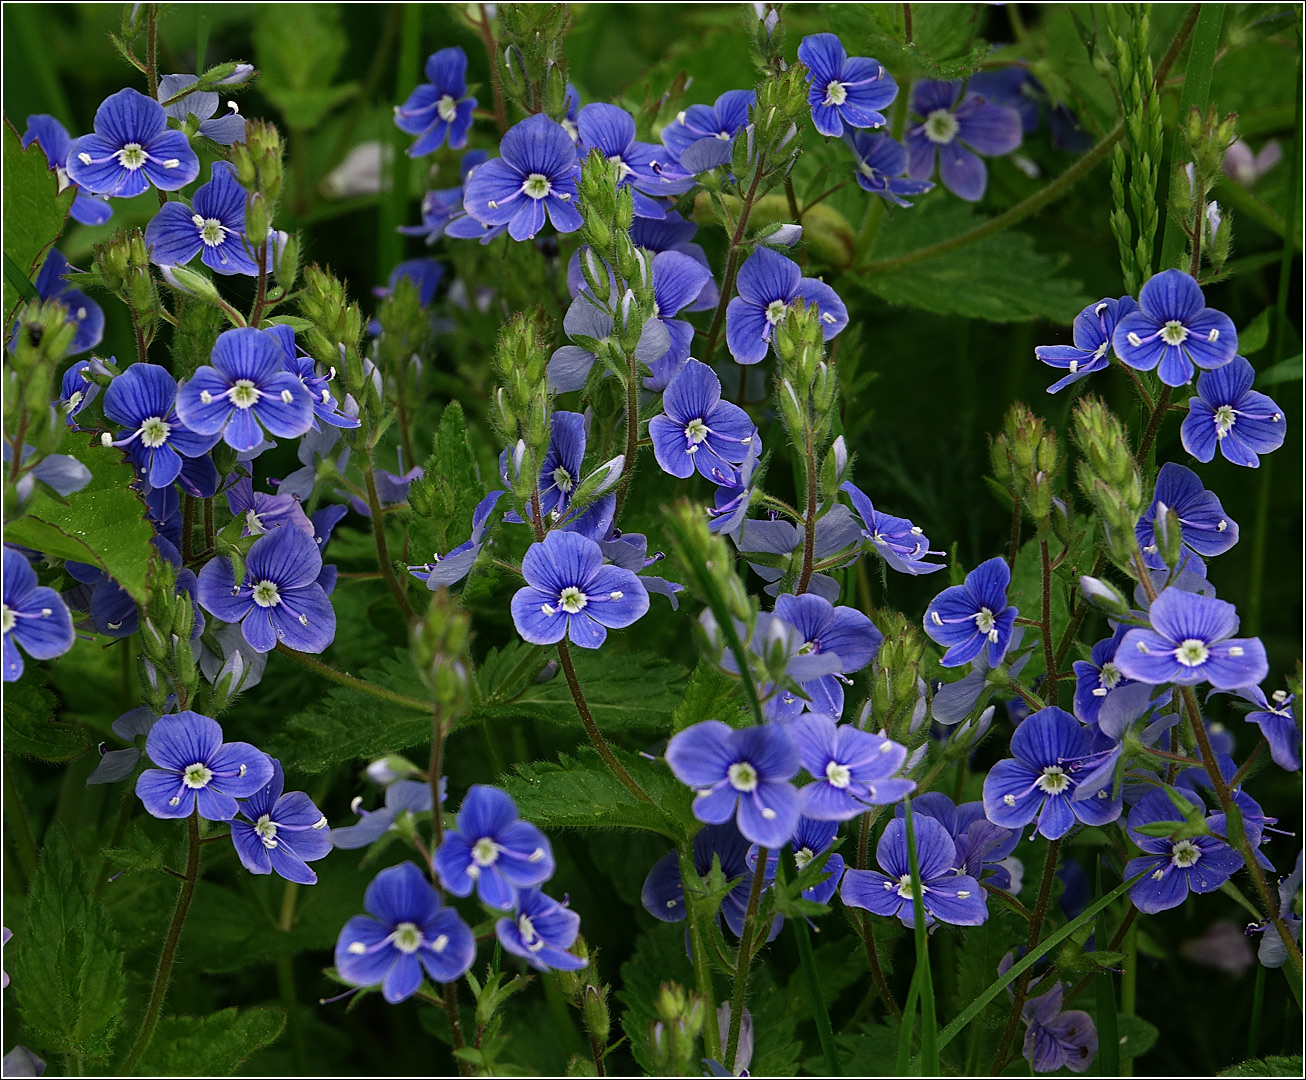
(598, 1019)
(1169, 535)
(1104, 596)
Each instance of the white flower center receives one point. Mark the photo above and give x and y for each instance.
(987, 624)
(1110, 676)
(8, 618)
(244, 393)
(267, 831)
(447, 108)
(212, 231)
(865, 169)
(776, 311)
(1174, 332)
(562, 478)
(537, 185)
(253, 524)
(1053, 781)
(941, 126)
(696, 431)
(132, 156)
(196, 776)
(408, 937)
(835, 93)
(266, 594)
(905, 889)
(528, 934)
(742, 776)
(1185, 853)
(485, 851)
(803, 856)
(571, 599)
(155, 432)
(1224, 420)
(838, 775)
(1191, 652)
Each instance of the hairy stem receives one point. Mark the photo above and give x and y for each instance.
(809, 519)
(486, 33)
(1050, 678)
(745, 960)
(378, 536)
(732, 265)
(155, 1006)
(352, 681)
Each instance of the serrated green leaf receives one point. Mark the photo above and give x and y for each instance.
(349, 724)
(299, 49)
(447, 493)
(213, 1045)
(582, 793)
(943, 46)
(707, 697)
(659, 957)
(1001, 278)
(103, 524)
(67, 973)
(1268, 1066)
(625, 691)
(30, 726)
(34, 212)
(1026, 592)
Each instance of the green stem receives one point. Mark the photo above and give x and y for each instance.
(16, 819)
(1035, 930)
(698, 949)
(355, 683)
(632, 433)
(807, 959)
(809, 519)
(745, 960)
(923, 977)
(732, 264)
(378, 536)
(155, 1007)
(1049, 657)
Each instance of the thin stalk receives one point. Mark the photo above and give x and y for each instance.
(352, 681)
(923, 977)
(698, 950)
(592, 728)
(1014, 549)
(1035, 931)
(1153, 426)
(732, 265)
(1050, 677)
(188, 529)
(632, 434)
(1117, 940)
(809, 519)
(208, 524)
(486, 33)
(450, 997)
(807, 960)
(864, 926)
(745, 960)
(155, 1006)
(378, 536)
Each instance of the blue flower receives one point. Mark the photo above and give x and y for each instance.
(439, 108)
(611, 131)
(203, 105)
(825, 630)
(968, 617)
(810, 839)
(570, 592)
(954, 131)
(279, 599)
(982, 847)
(261, 512)
(674, 233)
(587, 323)
(406, 931)
(1205, 529)
(197, 770)
(131, 149)
(452, 567)
(561, 469)
(325, 406)
(534, 175)
(768, 283)
(946, 895)
(718, 122)
(540, 931)
(84, 312)
(1191, 641)
(734, 493)
(1055, 1038)
(1278, 723)
(1092, 334)
(663, 895)
(401, 797)
(246, 388)
(844, 90)
(678, 281)
(1173, 329)
(1039, 781)
(853, 769)
(143, 400)
(77, 389)
(213, 227)
(32, 616)
(896, 540)
(1229, 414)
(749, 769)
(1174, 867)
(492, 850)
(697, 430)
(1096, 677)
(441, 208)
(281, 833)
(54, 141)
(882, 167)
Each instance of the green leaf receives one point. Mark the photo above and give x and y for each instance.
(67, 975)
(103, 524)
(1026, 592)
(349, 724)
(1136, 1035)
(34, 213)
(445, 497)
(659, 957)
(1289, 370)
(1269, 1066)
(30, 726)
(943, 46)
(299, 49)
(213, 1045)
(1253, 336)
(707, 697)
(582, 793)
(625, 691)
(1001, 278)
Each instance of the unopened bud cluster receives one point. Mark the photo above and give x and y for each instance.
(1026, 459)
(1109, 475)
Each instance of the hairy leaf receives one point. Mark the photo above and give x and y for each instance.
(34, 212)
(213, 1045)
(30, 726)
